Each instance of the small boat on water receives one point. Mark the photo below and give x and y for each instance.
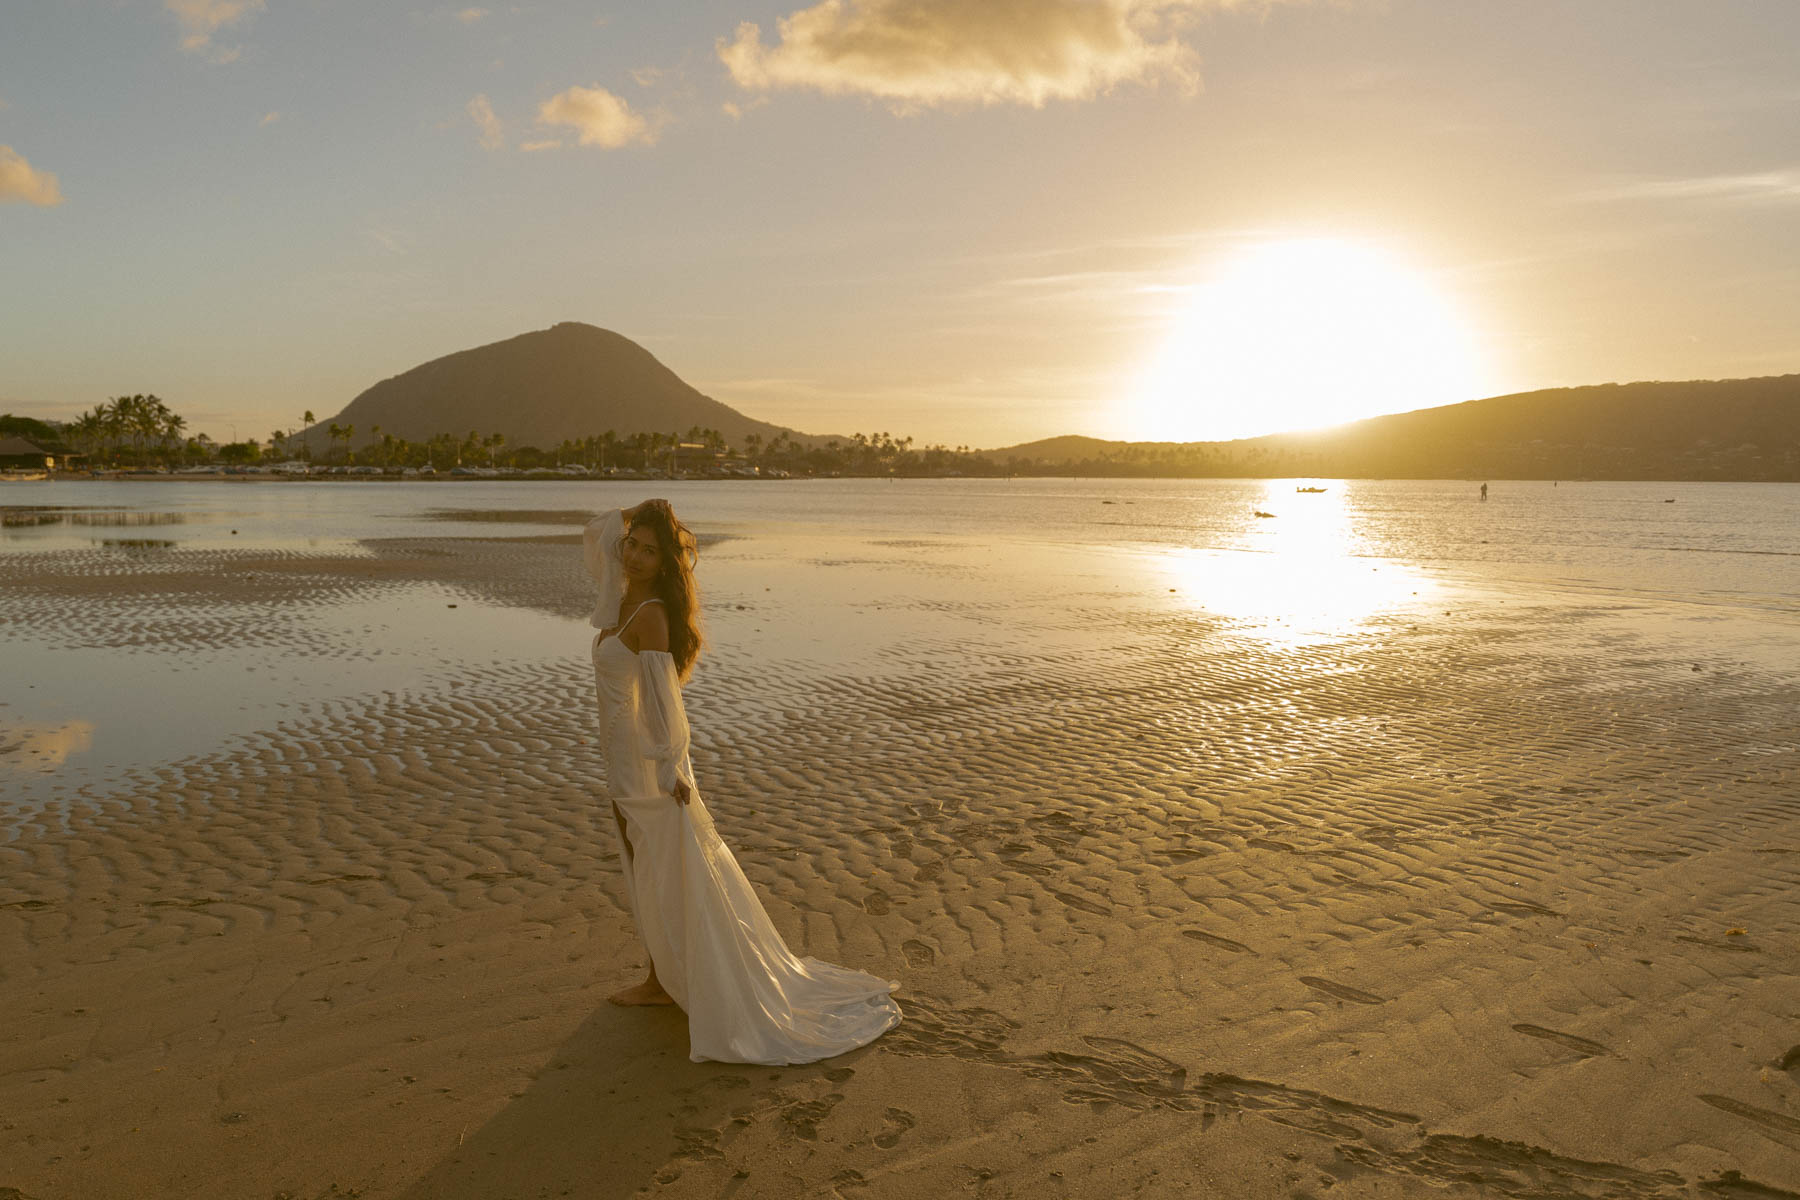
(1312, 491)
(23, 476)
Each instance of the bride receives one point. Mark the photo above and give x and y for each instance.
(713, 950)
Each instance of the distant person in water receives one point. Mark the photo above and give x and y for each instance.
(1484, 491)
(712, 948)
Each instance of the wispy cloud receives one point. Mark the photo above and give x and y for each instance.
(268, 118)
(470, 16)
(493, 134)
(598, 117)
(1763, 187)
(546, 144)
(201, 19)
(921, 53)
(389, 240)
(20, 181)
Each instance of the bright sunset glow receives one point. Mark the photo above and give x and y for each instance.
(1301, 578)
(1303, 333)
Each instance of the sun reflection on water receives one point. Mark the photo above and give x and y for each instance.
(1307, 577)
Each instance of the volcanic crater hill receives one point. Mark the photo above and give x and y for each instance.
(568, 382)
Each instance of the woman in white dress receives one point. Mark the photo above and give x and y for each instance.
(712, 948)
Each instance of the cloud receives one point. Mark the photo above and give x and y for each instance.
(469, 16)
(200, 19)
(1765, 187)
(19, 180)
(546, 144)
(269, 118)
(389, 240)
(736, 111)
(600, 118)
(919, 53)
(493, 134)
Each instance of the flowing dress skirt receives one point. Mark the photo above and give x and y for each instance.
(748, 998)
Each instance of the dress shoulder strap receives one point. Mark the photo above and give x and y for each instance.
(636, 611)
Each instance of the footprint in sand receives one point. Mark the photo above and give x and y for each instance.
(1341, 991)
(1567, 1041)
(876, 904)
(929, 871)
(898, 1122)
(918, 954)
(1213, 939)
(803, 1118)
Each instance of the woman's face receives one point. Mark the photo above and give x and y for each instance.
(641, 553)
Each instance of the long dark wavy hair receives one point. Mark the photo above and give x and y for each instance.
(674, 584)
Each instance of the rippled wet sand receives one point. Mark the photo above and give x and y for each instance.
(1472, 891)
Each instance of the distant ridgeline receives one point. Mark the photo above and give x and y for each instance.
(1736, 429)
(576, 394)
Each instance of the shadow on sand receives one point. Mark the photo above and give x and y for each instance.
(617, 1106)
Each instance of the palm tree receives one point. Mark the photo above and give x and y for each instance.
(335, 431)
(349, 448)
(307, 421)
(375, 432)
(146, 419)
(171, 426)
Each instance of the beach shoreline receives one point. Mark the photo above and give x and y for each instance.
(1489, 890)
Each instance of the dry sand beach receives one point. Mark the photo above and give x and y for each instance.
(1490, 891)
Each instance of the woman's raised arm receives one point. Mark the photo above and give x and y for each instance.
(600, 554)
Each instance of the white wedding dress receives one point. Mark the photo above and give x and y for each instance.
(748, 999)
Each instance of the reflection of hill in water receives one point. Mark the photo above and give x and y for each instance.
(39, 515)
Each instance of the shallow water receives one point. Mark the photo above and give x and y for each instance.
(833, 576)
(1724, 541)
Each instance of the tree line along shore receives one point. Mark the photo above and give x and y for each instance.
(1727, 430)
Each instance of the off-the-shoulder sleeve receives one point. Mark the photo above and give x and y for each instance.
(665, 720)
(600, 551)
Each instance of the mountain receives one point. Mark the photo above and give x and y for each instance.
(1700, 429)
(570, 381)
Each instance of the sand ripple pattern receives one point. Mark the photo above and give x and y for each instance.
(1494, 902)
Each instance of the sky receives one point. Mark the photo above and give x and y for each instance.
(971, 222)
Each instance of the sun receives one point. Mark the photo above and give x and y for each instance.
(1302, 333)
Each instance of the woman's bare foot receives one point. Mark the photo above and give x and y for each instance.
(647, 992)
